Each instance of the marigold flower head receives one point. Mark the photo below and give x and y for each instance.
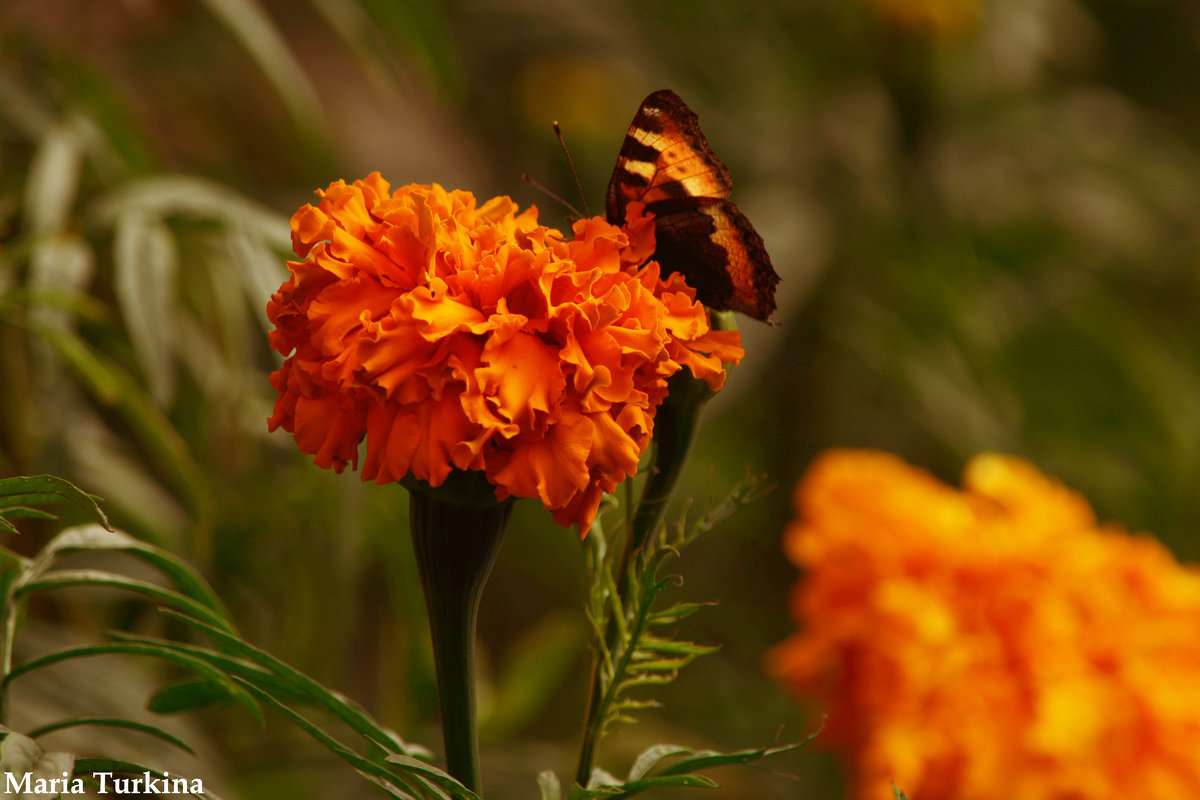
(993, 642)
(457, 336)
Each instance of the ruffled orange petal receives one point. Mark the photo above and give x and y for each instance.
(551, 469)
(524, 378)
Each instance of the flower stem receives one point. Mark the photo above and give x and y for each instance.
(675, 427)
(456, 543)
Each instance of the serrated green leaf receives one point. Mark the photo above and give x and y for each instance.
(677, 612)
(650, 757)
(635, 705)
(644, 663)
(657, 644)
(188, 695)
(648, 679)
(59, 579)
(141, 727)
(19, 492)
(623, 613)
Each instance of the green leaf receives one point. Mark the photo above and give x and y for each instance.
(706, 759)
(650, 757)
(188, 695)
(26, 512)
(59, 579)
(899, 794)
(632, 788)
(109, 722)
(20, 492)
(255, 31)
(262, 270)
(93, 537)
(53, 178)
(279, 675)
(229, 665)
(137, 648)
(436, 776)
(164, 196)
(677, 612)
(378, 775)
(145, 274)
(577, 792)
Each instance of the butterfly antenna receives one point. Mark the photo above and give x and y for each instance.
(544, 190)
(578, 185)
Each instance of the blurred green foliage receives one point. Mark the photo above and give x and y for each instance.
(988, 240)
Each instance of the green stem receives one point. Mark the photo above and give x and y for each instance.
(675, 427)
(456, 542)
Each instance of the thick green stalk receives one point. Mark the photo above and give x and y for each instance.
(456, 541)
(675, 428)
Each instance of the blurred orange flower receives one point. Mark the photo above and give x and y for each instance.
(452, 335)
(993, 642)
(935, 17)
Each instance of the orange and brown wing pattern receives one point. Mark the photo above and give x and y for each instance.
(665, 157)
(666, 163)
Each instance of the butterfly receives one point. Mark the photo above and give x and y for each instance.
(666, 163)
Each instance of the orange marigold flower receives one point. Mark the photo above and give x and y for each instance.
(452, 335)
(993, 642)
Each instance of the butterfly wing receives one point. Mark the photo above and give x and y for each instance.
(666, 163)
(716, 248)
(664, 157)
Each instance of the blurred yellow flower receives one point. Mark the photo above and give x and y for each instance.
(935, 17)
(994, 642)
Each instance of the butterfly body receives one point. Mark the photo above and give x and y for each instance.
(666, 163)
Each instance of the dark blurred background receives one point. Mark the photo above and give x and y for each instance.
(985, 216)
